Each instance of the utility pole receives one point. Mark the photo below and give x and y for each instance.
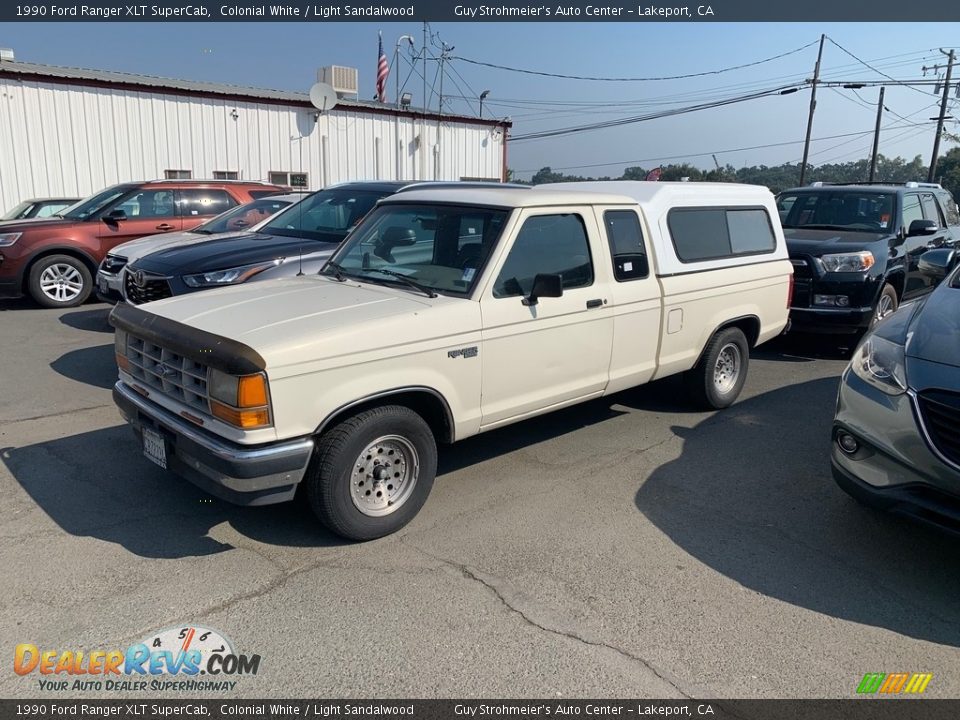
(876, 135)
(932, 174)
(813, 106)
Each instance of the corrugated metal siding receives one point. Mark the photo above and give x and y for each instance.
(67, 139)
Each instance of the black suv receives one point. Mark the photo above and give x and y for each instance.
(856, 249)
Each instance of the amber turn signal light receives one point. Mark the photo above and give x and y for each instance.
(246, 419)
(252, 391)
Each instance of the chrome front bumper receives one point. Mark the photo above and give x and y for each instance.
(255, 475)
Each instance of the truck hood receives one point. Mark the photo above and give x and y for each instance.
(229, 250)
(801, 241)
(136, 249)
(290, 321)
(935, 327)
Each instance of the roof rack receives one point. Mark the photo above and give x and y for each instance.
(909, 184)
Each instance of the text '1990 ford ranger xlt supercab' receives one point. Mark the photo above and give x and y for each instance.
(446, 313)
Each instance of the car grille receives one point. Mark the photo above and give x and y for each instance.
(174, 375)
(139, 287)
(113, 264)
(941, 417)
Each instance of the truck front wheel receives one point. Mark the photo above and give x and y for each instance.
(371, 473)
(716, 381)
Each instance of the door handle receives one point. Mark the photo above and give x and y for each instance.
(594, 303)
(164, 226)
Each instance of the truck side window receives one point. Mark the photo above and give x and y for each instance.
(550, 244)
(712, 233)
(911, 210)
(626, 245)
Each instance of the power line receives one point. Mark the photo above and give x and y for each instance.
(711, 152)
(868, 65)
(653, 116)
(633, 79)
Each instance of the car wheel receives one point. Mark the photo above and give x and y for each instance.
(59, 281)
(886, 304)
(716, 381)
(371, 474)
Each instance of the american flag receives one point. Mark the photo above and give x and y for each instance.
(654, 175)
(383, 70)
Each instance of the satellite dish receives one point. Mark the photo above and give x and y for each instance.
(323, 97)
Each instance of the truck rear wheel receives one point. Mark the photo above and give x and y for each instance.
(716, 381)
(371, 473)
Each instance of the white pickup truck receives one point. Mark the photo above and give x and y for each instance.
(446, 313)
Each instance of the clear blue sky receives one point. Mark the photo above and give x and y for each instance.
(286, 56)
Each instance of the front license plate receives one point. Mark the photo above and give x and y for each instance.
(102, 282)
(154, 448)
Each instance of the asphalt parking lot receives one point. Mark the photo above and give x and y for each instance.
(629, 547)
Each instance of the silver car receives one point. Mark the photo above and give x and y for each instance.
(896, 435)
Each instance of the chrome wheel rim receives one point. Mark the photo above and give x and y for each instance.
(61, 282)
(726, 372)
(384, 476)
(884, 307)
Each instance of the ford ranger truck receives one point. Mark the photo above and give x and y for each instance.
(447, 313)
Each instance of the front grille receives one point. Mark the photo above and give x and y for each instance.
(177, 377)
(113, 264)
(941, 417)
(139, 287)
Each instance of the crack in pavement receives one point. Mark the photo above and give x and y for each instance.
(491, 584)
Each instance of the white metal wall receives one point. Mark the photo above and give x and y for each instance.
(70, 140)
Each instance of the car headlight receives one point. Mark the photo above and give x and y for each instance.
(230, 276)
(241, 400)
(881, 363)
(848, 262)
(8, 239)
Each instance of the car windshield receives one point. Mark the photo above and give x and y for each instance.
(840, 210)
(242, 217)
(439, 247)
(18, 211)
(327, 215)
(93, 205)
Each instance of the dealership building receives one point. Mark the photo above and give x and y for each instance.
(68, 132)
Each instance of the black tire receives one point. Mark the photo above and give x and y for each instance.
(330, 476)
(887, 301)
(704, 387)
(73, 269)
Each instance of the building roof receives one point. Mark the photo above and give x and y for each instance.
(152, 83)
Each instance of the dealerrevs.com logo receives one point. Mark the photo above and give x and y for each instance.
(185, 658)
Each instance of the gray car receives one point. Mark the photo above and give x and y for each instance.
(896, 435)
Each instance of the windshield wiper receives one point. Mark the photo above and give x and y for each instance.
(412, 283)
(818, 226)
(338, 272)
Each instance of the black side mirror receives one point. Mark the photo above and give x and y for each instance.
(115, 215)
(922, 227)
(544, 285)
(936, 264)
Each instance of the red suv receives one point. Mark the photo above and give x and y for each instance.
(55, 261)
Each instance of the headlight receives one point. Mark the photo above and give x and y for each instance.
(113, 264)
(8, 239)
(230, 276)
(239, 400)
(881, 363)
(848, 262)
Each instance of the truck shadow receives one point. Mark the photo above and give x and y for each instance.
(98, 484)
(788, 532)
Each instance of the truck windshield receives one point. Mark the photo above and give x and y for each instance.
(440, 247)
(840, 210)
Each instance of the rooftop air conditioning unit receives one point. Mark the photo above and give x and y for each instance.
(344, 80)
(7, 54)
